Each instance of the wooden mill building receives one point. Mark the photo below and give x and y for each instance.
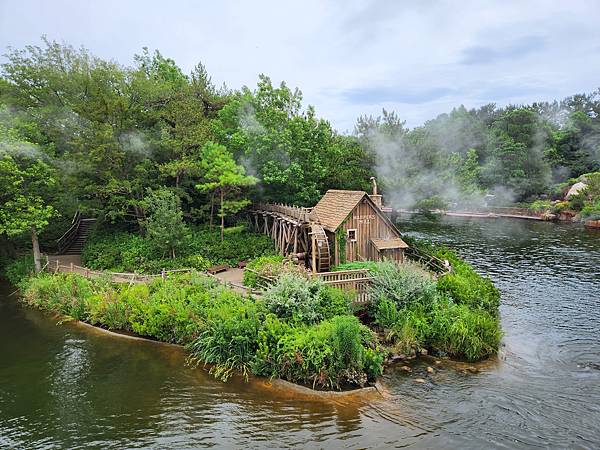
(344, 226)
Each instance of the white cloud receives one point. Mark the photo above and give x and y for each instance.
(419, 58)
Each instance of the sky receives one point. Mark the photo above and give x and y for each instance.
(349, 58)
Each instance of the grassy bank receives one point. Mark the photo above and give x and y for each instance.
(325, 348)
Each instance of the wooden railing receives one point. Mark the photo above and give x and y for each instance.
(66, 239)
(433, 263)
(356, 281)
(136, 278)
(115, 277)
(295, 212)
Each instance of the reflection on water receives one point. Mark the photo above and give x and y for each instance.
(66, 386)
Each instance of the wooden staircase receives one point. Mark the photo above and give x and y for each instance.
(72, 242)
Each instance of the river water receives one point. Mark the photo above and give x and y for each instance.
(66, 386)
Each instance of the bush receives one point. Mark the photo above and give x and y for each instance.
(230, 339)
(371, 265)
(328, 355)
(19, 269)
(294, 299)
(463, 284)
(385, 313)
(299, 300)
(239, 245)
(128, 252)
(403, 284)
(462, 332)
(333, 302)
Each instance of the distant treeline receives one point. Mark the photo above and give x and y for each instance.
(104, 136)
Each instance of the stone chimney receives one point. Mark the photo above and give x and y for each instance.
(375, 196)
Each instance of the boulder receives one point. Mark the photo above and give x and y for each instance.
(575, 189)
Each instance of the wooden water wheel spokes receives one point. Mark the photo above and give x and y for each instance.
(321, 248)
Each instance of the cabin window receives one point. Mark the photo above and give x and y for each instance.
(352, 235)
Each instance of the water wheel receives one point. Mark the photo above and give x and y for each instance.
(321, 248)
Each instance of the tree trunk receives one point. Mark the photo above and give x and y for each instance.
(222, 216)
(212, 209)
(37, 257)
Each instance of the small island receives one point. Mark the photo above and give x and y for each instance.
(330, 294)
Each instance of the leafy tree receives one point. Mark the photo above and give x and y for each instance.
(165, 226)
(223, 177)
(23, 208)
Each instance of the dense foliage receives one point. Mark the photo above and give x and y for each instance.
(300, 300)
(462, 284)
(96, 136)
(200, 249)
(221, 328)
(457, 314)
(264, 270)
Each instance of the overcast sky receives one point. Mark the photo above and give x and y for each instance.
(419, 58)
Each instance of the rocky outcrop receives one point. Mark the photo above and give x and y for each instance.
(592, 223)
(575, 189)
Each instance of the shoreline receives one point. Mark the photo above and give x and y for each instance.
(514, 214)
(279, 384)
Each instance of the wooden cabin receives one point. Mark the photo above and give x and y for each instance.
(358, 228)
(345, 226)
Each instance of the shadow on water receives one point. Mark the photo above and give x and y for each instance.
(65, 386)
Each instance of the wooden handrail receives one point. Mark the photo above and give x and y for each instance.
(66, 239)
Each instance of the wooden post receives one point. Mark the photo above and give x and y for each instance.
(162, 274)
(314, 254)
(71, 267)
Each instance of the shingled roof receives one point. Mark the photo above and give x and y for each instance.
(334, 207)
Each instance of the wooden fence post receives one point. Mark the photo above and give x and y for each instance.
(162, 273)
(71, 267)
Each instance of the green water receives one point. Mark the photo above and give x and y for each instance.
(66, 386)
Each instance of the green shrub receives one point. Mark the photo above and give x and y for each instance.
(463, 284)
(63, 293)
(128, 252)
(541, 205)
(332, 302)
(403, 284)
(294, 299)
(230, 339)
(329, 355)
(239, 245)
(371, 265)
(462, 332)
(299, 300)
(266, 359)
(19, 269)
(591, 211)
(347, 348)
(385, 313)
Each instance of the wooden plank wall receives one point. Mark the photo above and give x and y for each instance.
(368, 225)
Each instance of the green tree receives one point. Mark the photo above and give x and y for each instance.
(164, 225)
(22, 205)
(224, 178)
